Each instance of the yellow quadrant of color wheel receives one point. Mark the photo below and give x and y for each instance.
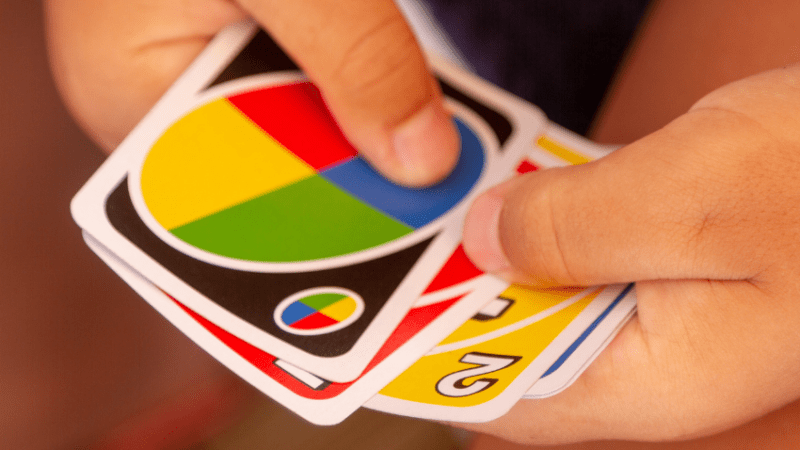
(527, 303)
(418, 382)
(340, 310)
(211, 159)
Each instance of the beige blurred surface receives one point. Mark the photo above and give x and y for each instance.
(269, 426)
(84, 362)
(80, 352)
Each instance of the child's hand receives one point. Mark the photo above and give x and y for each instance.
(705, 215)
(113, 59)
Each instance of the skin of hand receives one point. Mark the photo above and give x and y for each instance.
(704, 215)
(113, 59)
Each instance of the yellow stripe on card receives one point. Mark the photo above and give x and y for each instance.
(211, 159)
(430, 379)
(559, 150)
(527, 302)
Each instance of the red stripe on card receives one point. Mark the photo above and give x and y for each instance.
(255, 356)
(526, 166)
(412, 323)
(456, 270)
(260, 359)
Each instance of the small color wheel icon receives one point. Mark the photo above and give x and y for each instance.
(318, 311)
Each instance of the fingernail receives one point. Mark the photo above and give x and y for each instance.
(482, 233)
(427, 146)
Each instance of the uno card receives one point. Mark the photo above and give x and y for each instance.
(481, 370)
(581, 353)
(238, 195)
(314, 398)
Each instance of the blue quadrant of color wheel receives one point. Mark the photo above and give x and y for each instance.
(295, 312)
(413, 207)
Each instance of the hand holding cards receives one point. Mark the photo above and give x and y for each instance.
(241, 213)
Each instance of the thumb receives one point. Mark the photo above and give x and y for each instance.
(374, 78)
(669, 206)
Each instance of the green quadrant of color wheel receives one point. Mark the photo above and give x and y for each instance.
(320, 301)
(310, 219)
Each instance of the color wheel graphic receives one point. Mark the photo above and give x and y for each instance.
(267, 176)
(319, 311)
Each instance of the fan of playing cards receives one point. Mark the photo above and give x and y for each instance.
(240, 212)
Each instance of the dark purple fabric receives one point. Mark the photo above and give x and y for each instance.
(557, 54)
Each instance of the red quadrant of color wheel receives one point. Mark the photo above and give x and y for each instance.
(296, 116)
(314, 322)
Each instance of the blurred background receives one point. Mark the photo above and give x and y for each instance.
(84, 362)
(81, 354)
